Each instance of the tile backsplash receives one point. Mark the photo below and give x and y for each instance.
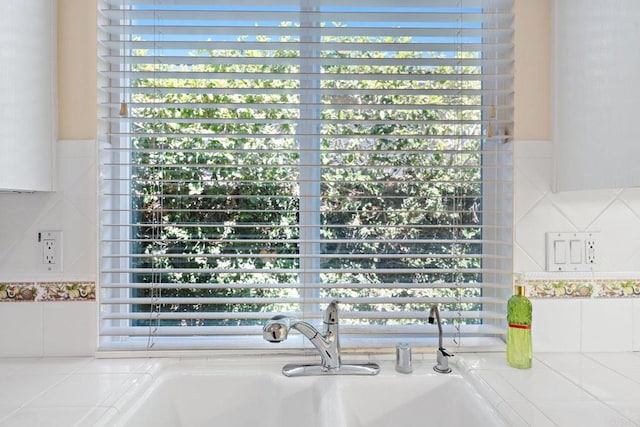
(614, 213)
(592, 311)
(72, 208)
(595, 311)
(51, 313)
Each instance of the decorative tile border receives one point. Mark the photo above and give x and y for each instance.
(599, 288)
(47, 291)
(86, 291)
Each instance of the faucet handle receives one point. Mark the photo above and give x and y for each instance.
(445, 352)
(331, 313)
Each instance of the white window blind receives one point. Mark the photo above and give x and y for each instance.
(274, 157)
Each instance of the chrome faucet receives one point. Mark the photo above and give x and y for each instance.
(442, 361)
(327, 343)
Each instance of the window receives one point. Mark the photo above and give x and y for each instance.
(275, 157)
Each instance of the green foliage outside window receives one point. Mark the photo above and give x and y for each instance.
(220, 171)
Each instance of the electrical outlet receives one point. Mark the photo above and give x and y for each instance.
(590, 250)
(50, 254)
(49, 251)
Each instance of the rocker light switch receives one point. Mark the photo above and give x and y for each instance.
(560, 251)
(575, 249)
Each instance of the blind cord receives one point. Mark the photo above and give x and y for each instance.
(123, 104)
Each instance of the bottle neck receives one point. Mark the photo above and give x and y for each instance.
(519, 290)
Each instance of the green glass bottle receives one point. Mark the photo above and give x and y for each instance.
(519, 313)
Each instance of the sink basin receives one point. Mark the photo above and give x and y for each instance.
(415, 400)
(255, 393)
(207, 399)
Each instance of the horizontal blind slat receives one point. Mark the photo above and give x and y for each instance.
(236, 285)
(274, 16)
(346, 330)
(107, 62)
(494, 4)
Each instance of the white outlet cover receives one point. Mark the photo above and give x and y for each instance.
(55, 235)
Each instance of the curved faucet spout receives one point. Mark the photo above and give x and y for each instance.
(442, 363)
(434, 312)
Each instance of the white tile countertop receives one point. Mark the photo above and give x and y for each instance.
(565, 389)
(562, 389)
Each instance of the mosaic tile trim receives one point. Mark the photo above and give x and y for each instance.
(613, 288)
(47, 291)
(86, 291)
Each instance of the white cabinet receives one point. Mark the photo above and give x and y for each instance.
(28, 101)
(596, 92)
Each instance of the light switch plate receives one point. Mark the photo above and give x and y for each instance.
(571, 251)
